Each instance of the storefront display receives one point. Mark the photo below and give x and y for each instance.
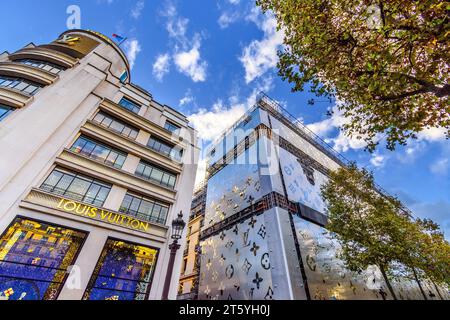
(123, 272)
(34, 258)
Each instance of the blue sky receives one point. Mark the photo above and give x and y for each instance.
(208, 59)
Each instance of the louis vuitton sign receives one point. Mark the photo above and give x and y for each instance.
(103, 215)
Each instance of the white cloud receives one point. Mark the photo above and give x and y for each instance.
(187, 99)
(186, 56)
(227, 18)
(137, 9)
(190, 62)
(132, 49)
(211, 123)
(377, 160)
(432, 134)
(161, 66)
(440, 167)
(342, 142)
(234, 1)
(261, 55)
(176, 26)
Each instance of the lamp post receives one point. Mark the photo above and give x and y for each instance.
(177, 230)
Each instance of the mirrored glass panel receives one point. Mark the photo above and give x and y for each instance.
(236, 263)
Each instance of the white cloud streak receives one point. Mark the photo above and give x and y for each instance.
(137, 9)
(262, 55)
(190, 63)
(161, 66)
(132, 49)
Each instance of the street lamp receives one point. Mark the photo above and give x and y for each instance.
(177, 230)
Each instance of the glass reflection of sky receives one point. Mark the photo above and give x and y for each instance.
(298, 187)
(34, 257)
(328, 279)
(231, 190)
(124, 272)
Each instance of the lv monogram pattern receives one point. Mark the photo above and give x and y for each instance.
(235, 264)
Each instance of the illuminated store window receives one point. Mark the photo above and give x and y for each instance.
(116, 125)
(165, 148)
(144, 209)
(99, 152)
(123, 272)
(129, 105)
(44, 65)
(77, 187)
(4, 111)
(34, 258)
(19, 84)
(155, 174)
(172, 127)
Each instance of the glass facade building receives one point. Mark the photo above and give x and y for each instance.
(264, 234)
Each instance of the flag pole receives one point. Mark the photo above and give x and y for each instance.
(121, 42)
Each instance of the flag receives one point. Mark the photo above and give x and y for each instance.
(118, 38)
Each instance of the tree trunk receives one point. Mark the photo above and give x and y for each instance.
(437, 290)
(388, 284)
(418, 282)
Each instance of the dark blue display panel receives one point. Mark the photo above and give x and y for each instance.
(123, 272)
(34, 257)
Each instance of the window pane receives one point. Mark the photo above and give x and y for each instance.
(102, 195)
(126, 131)
(126, 203)
(99, 117)
(140, 169)
(134, 207)
(4, 111)
(107, 121)
(112, 157)
(20, 86)
(52, 179)
(79, 145)
(165, 179)
(78, 188)
(146, 208)
(172, 182)
(92, 193)
(133, 134)
(120, 161)
(156, 212)
(88, 148)
(157, 175)
(123, 272)
(163, 215)
(129, 105)
(64, 183)
(117, 126)
(100, 152)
